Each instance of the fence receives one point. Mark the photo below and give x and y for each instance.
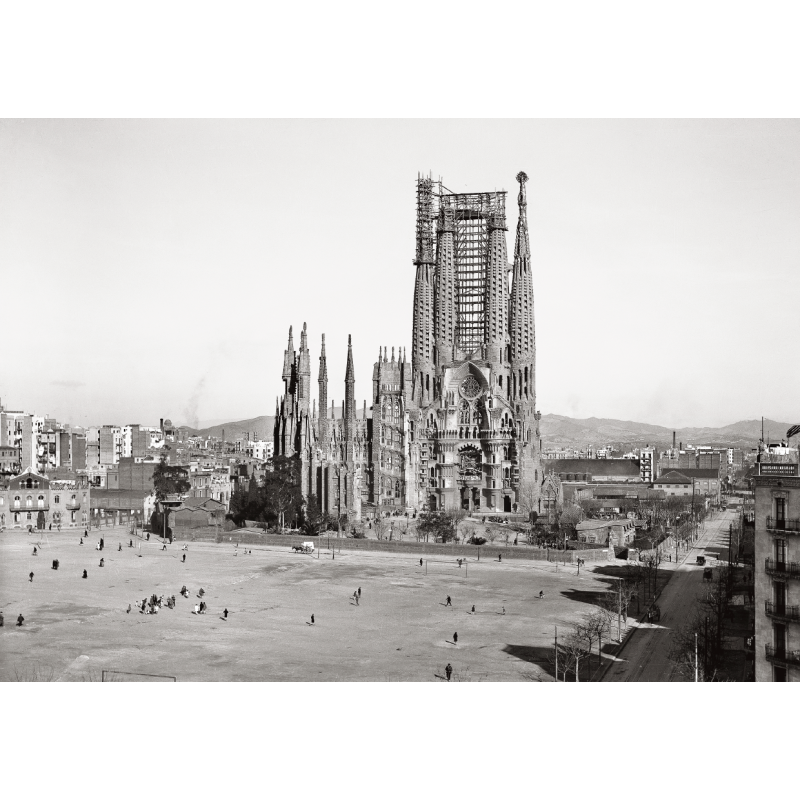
(488, 552)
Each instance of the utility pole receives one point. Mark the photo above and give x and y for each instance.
(696, 679)
(556, 627)
(619, 610)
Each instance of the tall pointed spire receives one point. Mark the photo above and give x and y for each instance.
(496, 289)
(349, 374)
(422, 335)
(523, 340)
(349, 409)
(445, 302)
(304, 372)
(323, 395)
(288, 360)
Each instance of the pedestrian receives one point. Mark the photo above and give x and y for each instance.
(312, 619)
(2, 620)
(183, 560)
(102, 562)
(31, 577)
(129, 609)
(455, 638)
(448, 603)
(20, 620)
(355, 597)
(359, 591)
(164, 546)
(201, 592)
(148, 537)
(420, 562)
(448, 670)
(541, 595)
(34, 551)
(85, 575)
(504, 609)
(225, 612)
(81, 541)
(500, 557)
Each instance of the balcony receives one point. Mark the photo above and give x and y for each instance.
(782, 612)
(73, 505)
(782, 656)
(782, 569)
(781, 526)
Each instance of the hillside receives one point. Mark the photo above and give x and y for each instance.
(558, 430)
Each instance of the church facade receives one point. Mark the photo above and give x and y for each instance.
(457, 426)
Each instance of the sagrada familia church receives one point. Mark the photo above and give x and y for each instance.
(457, 427)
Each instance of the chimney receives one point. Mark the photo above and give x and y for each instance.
(673, 440)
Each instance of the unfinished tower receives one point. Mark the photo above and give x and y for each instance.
(456, 426)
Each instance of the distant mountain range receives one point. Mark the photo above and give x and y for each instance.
(558, 431)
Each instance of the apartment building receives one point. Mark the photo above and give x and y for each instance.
(777, 571)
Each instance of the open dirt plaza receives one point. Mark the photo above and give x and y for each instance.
(401, 630)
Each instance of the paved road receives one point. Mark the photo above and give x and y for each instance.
(645, 656)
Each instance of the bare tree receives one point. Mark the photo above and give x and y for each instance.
(573, 649)
(594, 627)
(456, 517)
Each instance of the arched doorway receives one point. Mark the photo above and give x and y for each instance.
(432, 503)
(507, 504)
(465, 498)
(40, 520)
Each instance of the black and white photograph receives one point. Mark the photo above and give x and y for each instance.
(347, 359)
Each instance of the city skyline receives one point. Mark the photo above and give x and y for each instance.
(185, 247)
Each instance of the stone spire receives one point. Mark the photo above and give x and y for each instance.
(445, 303)
(496, 291)
(422, 335)
(304, 373)
(323, 395)
(288, 363)
(523, 341)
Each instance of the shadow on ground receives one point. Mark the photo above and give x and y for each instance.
(592, 598)
(541, 656)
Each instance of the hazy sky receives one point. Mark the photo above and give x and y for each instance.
(152, 269)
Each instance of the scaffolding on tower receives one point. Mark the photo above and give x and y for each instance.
(471, 213)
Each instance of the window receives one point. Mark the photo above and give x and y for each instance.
(57, 499)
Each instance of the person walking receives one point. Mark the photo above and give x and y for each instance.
(31, 577)
(359, 591)
(183, 560)
(448, 603)
(129, 609)
(81, 542)
(355, 597)
(20, 620)
(2, 620)
(85, 574)
(500, 557)
(312, 619)
(455, 638)
(448, 670)
(225, 613)
(541, 595)
(34, 551)
(473, 609)
(420, 562)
